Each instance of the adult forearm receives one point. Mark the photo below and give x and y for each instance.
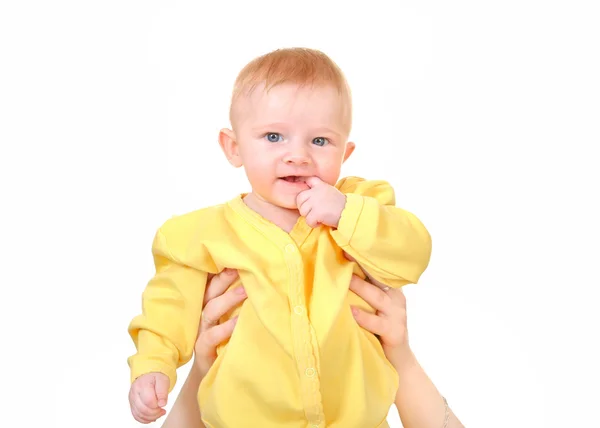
(419, 403)
(185, 412)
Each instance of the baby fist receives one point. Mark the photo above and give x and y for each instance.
(321, 203)
(147, 397)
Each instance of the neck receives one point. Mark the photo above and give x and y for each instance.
(284, 218)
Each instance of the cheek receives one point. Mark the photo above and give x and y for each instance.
(254, 157)
(330, 177)
(329, 169)
(258, 164)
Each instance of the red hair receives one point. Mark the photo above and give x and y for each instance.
(301, 66)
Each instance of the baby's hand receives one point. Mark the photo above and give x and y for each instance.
(147, 397)
(321, 204)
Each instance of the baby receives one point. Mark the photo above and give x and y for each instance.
(297, 357)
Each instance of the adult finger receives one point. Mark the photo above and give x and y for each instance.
(371, 322)
(349, 257)
(370, 293)
(370, 277)
(218, 334)
(220, 305)
(219, 283)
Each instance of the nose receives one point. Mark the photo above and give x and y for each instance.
(296, 160)
(297, 155)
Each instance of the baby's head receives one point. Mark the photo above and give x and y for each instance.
(291, 114)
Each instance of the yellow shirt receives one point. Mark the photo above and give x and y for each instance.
(297, 357)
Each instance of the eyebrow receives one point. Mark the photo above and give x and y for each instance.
(268, 126)
(327, 131)
(283, 125)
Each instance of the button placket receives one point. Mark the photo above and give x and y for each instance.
(301, 337)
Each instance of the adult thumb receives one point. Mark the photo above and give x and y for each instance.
(162, 389)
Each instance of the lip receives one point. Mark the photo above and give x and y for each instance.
(297, 178)
(300, 184)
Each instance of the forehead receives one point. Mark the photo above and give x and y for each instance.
(293, 103)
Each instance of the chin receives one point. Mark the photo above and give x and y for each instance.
(290, 205)
(287, 201)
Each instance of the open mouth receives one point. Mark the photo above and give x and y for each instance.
(294, 179)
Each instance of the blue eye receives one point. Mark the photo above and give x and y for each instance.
(320, 141)
(273, 137)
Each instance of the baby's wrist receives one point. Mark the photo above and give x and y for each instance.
(340, 209)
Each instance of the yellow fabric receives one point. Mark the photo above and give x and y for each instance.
(297, 357)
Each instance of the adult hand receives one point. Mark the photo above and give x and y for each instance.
(217, 302)
(389, 319)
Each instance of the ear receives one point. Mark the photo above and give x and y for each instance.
(350, 146)
(230, 147)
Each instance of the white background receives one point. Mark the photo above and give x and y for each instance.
(483, 115)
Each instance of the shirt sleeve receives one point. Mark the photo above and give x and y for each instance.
(388, 242)
(165, 332)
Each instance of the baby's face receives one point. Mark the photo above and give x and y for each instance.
(288, 134)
